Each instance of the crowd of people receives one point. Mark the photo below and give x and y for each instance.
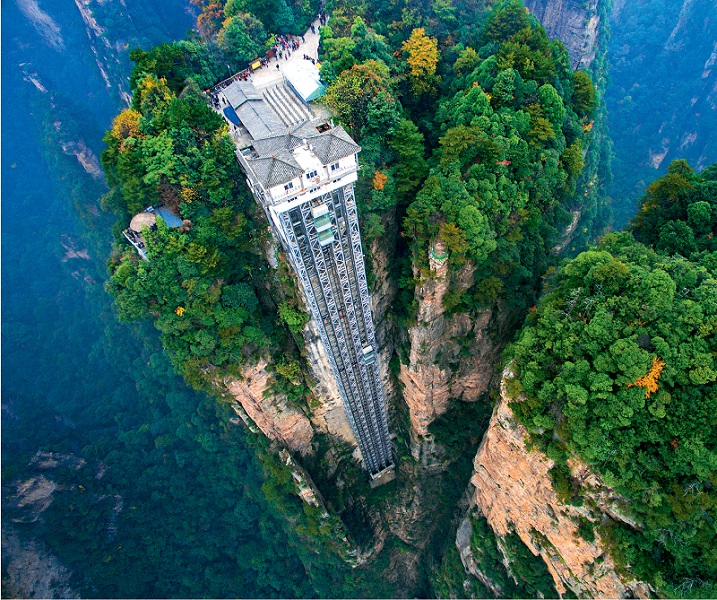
(217, 100)
(322, 19)
(285, 44)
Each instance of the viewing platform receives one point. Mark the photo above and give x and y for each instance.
(276, 93)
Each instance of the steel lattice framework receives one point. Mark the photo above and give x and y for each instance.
(333, 278)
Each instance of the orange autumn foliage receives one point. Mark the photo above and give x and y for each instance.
(210, 20)
(649, 381)
(379, 180)
(126, 125)
(422, 59)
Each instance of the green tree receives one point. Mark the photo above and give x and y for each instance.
(275, 15)
(552, 105)
(292, 317)
(479, 236)
(572, 159)
(411, 169)
(167, 61)
(506, 20)
(583, 94)
(467, 61)
(368, 45)
(676, 212)
(242, 38)
(353, 91)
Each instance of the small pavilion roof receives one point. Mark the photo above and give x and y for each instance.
(142, 220)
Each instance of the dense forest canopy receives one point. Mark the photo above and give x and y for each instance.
(508, 157)
(491, 171)
(197, 280)
(618, 368)
(476, 135)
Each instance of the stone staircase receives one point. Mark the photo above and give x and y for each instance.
(291, 110)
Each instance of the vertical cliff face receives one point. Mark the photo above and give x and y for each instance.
(272, 413)
(451, 356)
(426, 389)
(514, 491)
(576, 23)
